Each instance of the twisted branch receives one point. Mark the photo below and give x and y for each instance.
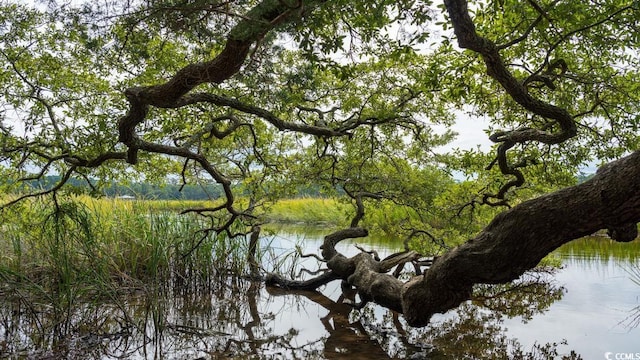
(468, 38)
(261, 19)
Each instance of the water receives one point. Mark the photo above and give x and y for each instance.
(590, 306)
(599, 313)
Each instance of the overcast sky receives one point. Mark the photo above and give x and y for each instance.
(470, 133)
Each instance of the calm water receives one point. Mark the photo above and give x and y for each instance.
(599, 308)
(599, 312)
(591, 306)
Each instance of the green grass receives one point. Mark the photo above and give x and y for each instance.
(91, 248)
(309, 211)
(601, 247)
(298, 210)
(87, 247)
(77, 266)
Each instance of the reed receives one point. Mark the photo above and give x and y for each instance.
(87, 248)
(602, 248)
(77, 264)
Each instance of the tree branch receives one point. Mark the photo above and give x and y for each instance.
(469, 39)
(264, 17)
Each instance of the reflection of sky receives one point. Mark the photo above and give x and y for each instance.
(592, 315)
(300, 313)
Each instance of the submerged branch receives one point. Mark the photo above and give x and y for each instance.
(311, 284)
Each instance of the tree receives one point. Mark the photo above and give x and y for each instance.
(269, 94)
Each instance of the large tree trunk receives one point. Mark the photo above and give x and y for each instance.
(517, 239)
(514, 242)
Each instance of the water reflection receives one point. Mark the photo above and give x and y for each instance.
(596, 314)
(237, 318)
(343, 335)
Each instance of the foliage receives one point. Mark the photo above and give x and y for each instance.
(353, 99)
(346, 94)
(62, 116)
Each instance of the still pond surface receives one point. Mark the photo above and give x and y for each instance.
(590, 307)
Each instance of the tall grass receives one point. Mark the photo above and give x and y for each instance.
(88, 248)
(602, 248)
(84, 266)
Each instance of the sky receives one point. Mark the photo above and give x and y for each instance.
(470, 134)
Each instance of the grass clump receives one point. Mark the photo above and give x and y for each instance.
(83, 267)
(101, 247)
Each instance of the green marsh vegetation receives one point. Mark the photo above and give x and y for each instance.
(83, 267)
(75, 242)
(80, 264)
(102, 247)
(603, 248)
(71, 249)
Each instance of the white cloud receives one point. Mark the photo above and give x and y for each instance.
(471, 133)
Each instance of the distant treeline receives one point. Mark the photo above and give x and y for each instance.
(138, 190)
(582, 177)
(148, 191)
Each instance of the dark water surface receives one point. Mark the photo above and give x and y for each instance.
(590, 306)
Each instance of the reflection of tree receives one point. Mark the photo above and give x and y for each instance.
(232, 325)
(46, 330)
(633, 320)
(477, 334)
(472, 334)
(224, 320)
(345, 339)
(531, 294)
(476, 331)
(229, 320)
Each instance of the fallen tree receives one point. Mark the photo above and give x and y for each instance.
(515, 241)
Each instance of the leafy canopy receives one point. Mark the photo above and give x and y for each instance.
(261, 97)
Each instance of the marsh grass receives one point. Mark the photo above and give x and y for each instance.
(99, 248)
(310, 211)
(72, 267)
(602, 248)
(86, 248)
